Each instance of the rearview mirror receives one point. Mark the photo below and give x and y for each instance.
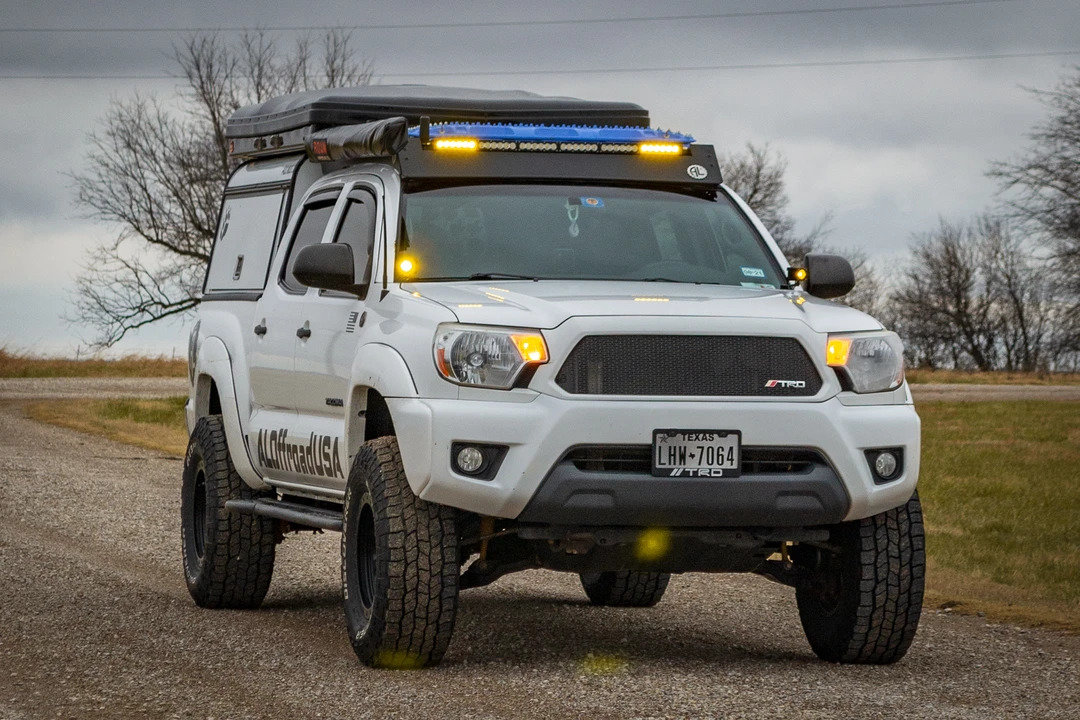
(828, 276)
(327, 267)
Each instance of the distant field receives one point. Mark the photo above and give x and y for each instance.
(1000, 483)
(1000, 486)
(23, 365)
(965, 377)
(153, 424)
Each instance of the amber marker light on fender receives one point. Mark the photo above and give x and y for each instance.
(532, 348)
(836, 354)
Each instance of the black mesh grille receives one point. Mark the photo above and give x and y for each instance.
(637, 459)
(689, 365)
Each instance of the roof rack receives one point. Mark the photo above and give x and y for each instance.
(280, 125)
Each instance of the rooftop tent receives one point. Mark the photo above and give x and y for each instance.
(317, 109)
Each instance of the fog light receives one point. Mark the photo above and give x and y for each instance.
(469, 459)
(885, 464)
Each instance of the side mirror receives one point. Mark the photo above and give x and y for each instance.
(828, 276)
(327, 267)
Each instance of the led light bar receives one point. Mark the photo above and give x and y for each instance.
(455, 143)
(553, 138)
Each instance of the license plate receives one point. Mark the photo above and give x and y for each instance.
(696, 453)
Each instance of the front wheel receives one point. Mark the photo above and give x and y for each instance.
(399, 564)
(228, 557)
(861, 603)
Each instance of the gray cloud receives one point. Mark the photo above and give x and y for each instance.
(885, 148)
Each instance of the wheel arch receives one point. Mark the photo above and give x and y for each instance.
(378, 372)
(215, 390)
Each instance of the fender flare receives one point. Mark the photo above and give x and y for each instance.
(213, 363)
(381, 367)
(376, 367)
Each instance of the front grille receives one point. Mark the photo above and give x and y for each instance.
(638, 458)
(701, 365)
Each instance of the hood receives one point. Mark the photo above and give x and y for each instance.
(548, 303)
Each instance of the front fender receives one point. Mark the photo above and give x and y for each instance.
(378, 368)
(214, 364)
(381, 367)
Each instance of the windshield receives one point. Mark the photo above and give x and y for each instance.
(581, 232)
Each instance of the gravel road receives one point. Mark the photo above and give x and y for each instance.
(95, 622)
(74, 387)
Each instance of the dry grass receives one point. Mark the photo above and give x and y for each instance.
(1000, 482)
(153, 424)
(966, 377)
(1000, 485)
(24, 365)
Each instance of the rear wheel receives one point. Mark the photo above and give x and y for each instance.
(399, 564)
(228, 557)
(861, 604)
(625, 588)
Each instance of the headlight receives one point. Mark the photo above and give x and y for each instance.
(871, 362)
(485, 356)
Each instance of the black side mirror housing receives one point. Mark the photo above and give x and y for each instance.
(327, 267)
(828, 276)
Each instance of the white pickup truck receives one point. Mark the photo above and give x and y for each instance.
(482, 332)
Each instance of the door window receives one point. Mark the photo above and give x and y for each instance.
(357, 229)
(309, 231)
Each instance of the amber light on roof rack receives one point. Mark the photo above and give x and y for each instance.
(660, 148)
(455, 143)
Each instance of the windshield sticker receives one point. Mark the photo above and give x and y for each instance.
(756, 286)
(573, 207)
(592, 202)
(752, 272)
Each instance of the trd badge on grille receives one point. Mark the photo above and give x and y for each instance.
(785, 383)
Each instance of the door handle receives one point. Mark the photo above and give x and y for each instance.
(303, 333)
(260, 329)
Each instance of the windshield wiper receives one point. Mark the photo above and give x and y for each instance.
(663, 279)
(501, 276)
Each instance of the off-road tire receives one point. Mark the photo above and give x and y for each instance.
(399, 564)
(625, 588)
(862, 604)
(228, 557)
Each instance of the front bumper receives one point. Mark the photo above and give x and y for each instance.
(540, 428)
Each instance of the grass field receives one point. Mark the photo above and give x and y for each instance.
(153, 424)
(1000, 486)
(1000, 483)
(23, 365)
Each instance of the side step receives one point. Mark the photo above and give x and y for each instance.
(300, 514)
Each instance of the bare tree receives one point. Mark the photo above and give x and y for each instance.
(1041, 191)
(1042, 188)
(948, 304)
(756, 174)
(975, 296)
(157, 168)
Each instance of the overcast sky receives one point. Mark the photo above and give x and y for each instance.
(885, 149)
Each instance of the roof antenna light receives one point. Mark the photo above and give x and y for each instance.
(425, 130)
